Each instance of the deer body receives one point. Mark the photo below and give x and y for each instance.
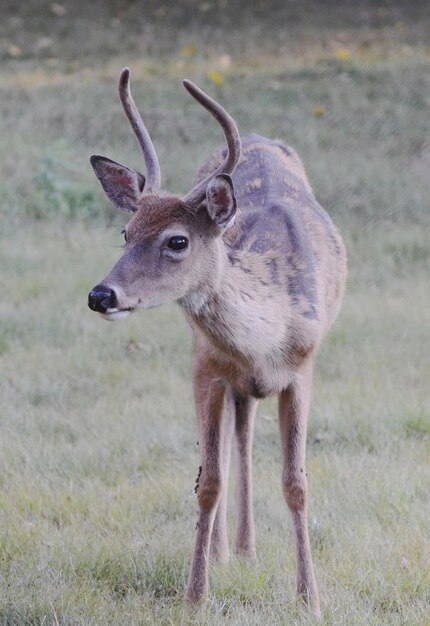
(259, 270)
(281, 271)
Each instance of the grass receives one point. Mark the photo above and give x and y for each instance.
(98, 439)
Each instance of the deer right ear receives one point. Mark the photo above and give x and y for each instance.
(221, 202)
(122, 185)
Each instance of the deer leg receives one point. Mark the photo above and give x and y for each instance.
(293, 412)
(244, 426)
(219, 549)
(209, 393)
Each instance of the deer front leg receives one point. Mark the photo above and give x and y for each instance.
(293, 413)
(219, 550)
(209, 393)
(245, 530)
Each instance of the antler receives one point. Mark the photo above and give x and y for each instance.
(227, 123)
(153, 179)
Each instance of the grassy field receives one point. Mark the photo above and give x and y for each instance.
(98, 438)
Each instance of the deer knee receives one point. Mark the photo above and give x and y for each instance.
(295, 492)
(209, 492)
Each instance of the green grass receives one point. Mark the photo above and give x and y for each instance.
(98, 438)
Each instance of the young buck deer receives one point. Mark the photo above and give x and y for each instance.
(259, 270)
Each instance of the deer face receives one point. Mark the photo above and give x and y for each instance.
(171, 248)
(169, 253)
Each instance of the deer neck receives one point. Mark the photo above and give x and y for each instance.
(210, 293)
(218, 310)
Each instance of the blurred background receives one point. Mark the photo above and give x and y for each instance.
(98, 439)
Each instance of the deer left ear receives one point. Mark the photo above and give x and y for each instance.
(221, 202)
(122, 185)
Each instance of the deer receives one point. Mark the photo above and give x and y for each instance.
(258, 268)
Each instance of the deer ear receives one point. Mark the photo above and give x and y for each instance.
(122, 185)
(221, 202)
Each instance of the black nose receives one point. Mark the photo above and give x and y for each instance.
(101, 298)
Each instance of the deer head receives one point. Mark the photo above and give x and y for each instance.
(172, 242)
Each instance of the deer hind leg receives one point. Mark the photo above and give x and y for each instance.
(209, 393)
(244, 429)
(219, 550)
(293, 413)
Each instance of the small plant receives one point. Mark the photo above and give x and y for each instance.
(417, 425)
(56, 192)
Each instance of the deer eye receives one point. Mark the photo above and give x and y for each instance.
(177, 243)
(124, 232)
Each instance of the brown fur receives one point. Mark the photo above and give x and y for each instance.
(259, 296)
